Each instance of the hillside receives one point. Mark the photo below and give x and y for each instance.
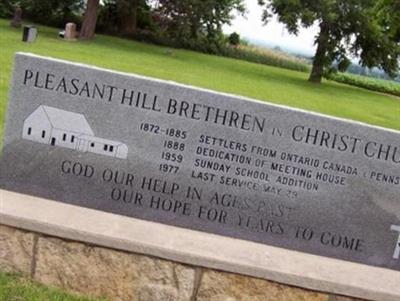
(217, 73)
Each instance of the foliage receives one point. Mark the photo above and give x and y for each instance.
(388, 12)
(109, 17)
(13, 287)
(196, 24)
(234, 39)
(374, 84)
(49, 12)
(347, 27)
(7, 8)
(343, 64)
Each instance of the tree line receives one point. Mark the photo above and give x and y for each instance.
(366, 29)
(194, 24)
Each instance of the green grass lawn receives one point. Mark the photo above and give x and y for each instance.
(15, 288)
(262, 82)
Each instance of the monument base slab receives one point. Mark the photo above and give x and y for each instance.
(177, 249)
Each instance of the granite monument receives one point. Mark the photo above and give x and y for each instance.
(202, 160)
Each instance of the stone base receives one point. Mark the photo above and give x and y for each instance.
(106, 254)
(103, 272)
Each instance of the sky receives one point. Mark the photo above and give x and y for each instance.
(274, 33)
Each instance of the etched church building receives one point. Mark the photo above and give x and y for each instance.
(66, 129)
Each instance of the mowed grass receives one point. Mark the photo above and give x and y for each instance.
(261, 82)
(15, 288)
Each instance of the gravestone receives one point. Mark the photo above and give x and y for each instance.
(70, 31)
(29, 34)
(202, 160)
(17, 18)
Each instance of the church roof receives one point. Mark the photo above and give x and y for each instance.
(68, 121)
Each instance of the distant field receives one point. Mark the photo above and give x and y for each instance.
(374, 84)
(269, 57)
(262, 82)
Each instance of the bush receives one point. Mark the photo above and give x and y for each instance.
(234, 39)
(374, 84)
(202, 43)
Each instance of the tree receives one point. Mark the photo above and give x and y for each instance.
(388, 17)
(49, 12)
(127, 11)
(197, 22)
(124, 17)
(388, 12)
(346, 27)
(234, 39)
(89, 21)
